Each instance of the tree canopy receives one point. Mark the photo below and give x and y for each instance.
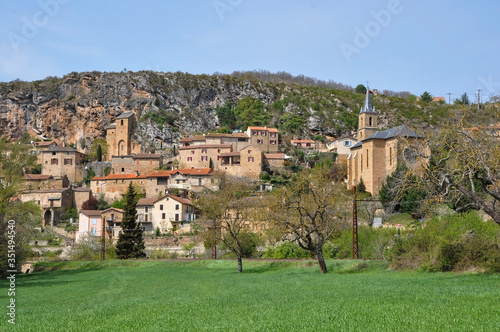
(130, 241)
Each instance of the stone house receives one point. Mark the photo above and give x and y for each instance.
(303, 144)
(202, 155)
(112, 219)
(377, 153)
(44, 181)
(190, 179)
(114, 186)
(265, 139)
(274, 160)
(60, 161)
(52, 202)
(141, 163)
(247, 162)
(89, 223)
(81, 194)
(118, 136)
(168, 213)
(342, 147)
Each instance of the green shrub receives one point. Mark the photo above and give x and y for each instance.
(286, 250)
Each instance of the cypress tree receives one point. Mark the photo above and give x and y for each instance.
(130, 241)
(99, 153)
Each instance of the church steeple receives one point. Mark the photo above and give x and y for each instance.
(367, 106)
(367, 123)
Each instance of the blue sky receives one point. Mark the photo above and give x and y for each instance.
(402, 45)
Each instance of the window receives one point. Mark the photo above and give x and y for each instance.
(218, 157)
(219, 150)
(347, 143)
(203, 150)
(263, 133)
(273, 141)
(255, 132)
(259, 141)
(370, 121)
(94, 232)
(145, 218)
(54, 161)
(68, 161)
(204, 158)
(146, 209)
(250, 159)
(390, 156)
(367, 159)
(163, 216)
(190, 158)
(308, 145)
(123, 170)
(177, 206)
(161, 206)
(192, 151)
(94, 221)
(176, 217)
(121, 122)
(53, 153)
(272, 134)
(299, 144)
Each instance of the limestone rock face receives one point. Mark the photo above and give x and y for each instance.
(78, 107)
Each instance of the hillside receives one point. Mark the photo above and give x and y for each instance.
(79, 106)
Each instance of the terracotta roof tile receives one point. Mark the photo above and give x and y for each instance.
(37, 176)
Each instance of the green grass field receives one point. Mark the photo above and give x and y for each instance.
(268, 296)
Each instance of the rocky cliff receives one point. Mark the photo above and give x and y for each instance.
(77, 107)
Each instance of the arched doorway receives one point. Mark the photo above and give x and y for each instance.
(47, 217)
(121, 148)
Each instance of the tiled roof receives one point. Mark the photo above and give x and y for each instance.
(36, 176)
(81, 189)
(146, 201)
(111, 126)
(124, 176)
(47, 191)
(401, 131)
(159, 174)
(60, 149)
(91, 212)
(44, 143)
(302, 141)
(235, 135)
(193, 171)
(180, 200)
(274, 155)
(264, 128)
(205, 146)
(125, 115)
(146, 156)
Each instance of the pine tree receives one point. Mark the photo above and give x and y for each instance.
(130, 241)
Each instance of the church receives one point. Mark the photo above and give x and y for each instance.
(377, 153)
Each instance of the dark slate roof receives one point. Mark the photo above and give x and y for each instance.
(367, 106)
(125, 115)
(58, 148)
(401, 131)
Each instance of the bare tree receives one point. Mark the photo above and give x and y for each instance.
(228, 210)
(465, 170)
(311, 210)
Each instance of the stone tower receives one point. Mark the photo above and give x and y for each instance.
(118, 135)
(368, 118)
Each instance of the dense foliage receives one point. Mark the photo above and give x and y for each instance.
(130, 241)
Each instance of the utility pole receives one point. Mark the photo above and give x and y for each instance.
(449, 97)
(103, 241)
(355, 244)
(478, 97)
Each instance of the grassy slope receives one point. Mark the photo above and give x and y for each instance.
(269, 296)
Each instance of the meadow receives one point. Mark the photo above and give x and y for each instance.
(206, 295)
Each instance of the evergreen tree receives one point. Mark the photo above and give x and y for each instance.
(361, 188)
(426, 97)
(130, 241)
(99, 153)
